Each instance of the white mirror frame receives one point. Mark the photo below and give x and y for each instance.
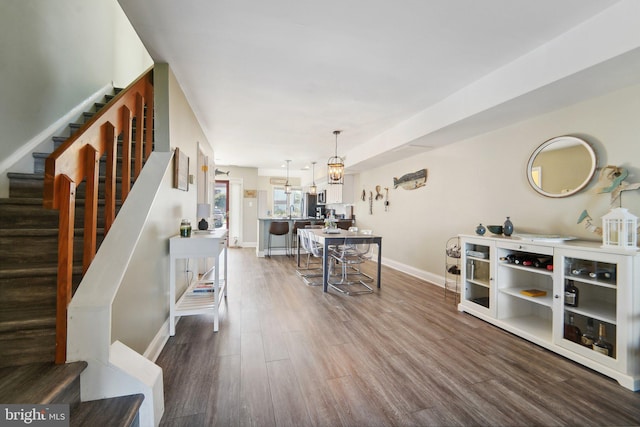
(562, 140)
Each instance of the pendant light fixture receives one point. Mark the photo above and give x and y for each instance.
(335, 166)
(313, 189)
(287, 186)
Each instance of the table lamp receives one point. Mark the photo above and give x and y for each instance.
(203, 212)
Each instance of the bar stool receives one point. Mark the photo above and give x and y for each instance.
(278, 228)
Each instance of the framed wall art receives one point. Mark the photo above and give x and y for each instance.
(180, 170)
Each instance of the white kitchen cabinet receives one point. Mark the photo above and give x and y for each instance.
(334, 194)
(340, 193)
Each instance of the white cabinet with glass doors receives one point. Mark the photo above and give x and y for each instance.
(574, 298)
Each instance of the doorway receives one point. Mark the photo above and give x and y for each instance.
(221, 205)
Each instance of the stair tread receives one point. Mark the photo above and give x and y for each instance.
(18, 175)
(40, 232)
(15, 272)
(37, 383)
(31, 200)
(13, 328)
(33, 271)
(29, 232)
(39, 176)
(21, 201)
(121, 411)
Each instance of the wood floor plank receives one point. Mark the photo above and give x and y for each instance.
(312, 378)
(256, 405)
(289, 408)
(357, 407)
(522, 410)
(189, 387)
(289, 354)
(223, 408)
(385, 378)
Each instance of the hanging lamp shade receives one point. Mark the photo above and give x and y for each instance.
(619, 229)
(313, 188)
(287, 186)
(335, 166)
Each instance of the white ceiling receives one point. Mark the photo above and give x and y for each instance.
(271, 80)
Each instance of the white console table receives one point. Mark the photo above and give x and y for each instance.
(201, 245)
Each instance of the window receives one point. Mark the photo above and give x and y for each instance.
(280, 207)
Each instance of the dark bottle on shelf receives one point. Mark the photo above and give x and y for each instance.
(602, 274)
(588, 337)
(579, 271)
(511, 259)
(520, 259)
(543, 262)
(601, 345)
(571, 294)
(528, 261)
(571, 331)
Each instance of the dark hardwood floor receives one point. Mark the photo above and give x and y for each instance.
(289, 355)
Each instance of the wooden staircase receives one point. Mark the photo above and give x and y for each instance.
(28, 291)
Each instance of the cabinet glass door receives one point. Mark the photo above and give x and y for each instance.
(590, 306)
(477, 274)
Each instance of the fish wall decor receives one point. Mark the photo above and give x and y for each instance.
(412, 180)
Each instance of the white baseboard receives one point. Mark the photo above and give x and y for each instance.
(157, 344)
(415, 272)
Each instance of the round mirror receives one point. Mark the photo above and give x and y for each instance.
(561, 166)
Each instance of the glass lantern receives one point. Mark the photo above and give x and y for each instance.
(619, 229)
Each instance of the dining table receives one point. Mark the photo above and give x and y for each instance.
(334, 237)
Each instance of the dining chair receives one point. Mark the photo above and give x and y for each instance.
(366, 256)
(314, 250)
(294, 232)
(352, 252)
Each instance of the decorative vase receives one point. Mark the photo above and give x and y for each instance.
(508, 227)
(480, 230)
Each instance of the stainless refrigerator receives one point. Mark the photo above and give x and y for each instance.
(309, 204)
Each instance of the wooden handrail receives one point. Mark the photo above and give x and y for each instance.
(77, 161)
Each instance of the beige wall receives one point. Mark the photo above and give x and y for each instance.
(55, 55)
(142, 304)
(482, 179)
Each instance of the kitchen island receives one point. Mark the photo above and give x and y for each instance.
(277, 242)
